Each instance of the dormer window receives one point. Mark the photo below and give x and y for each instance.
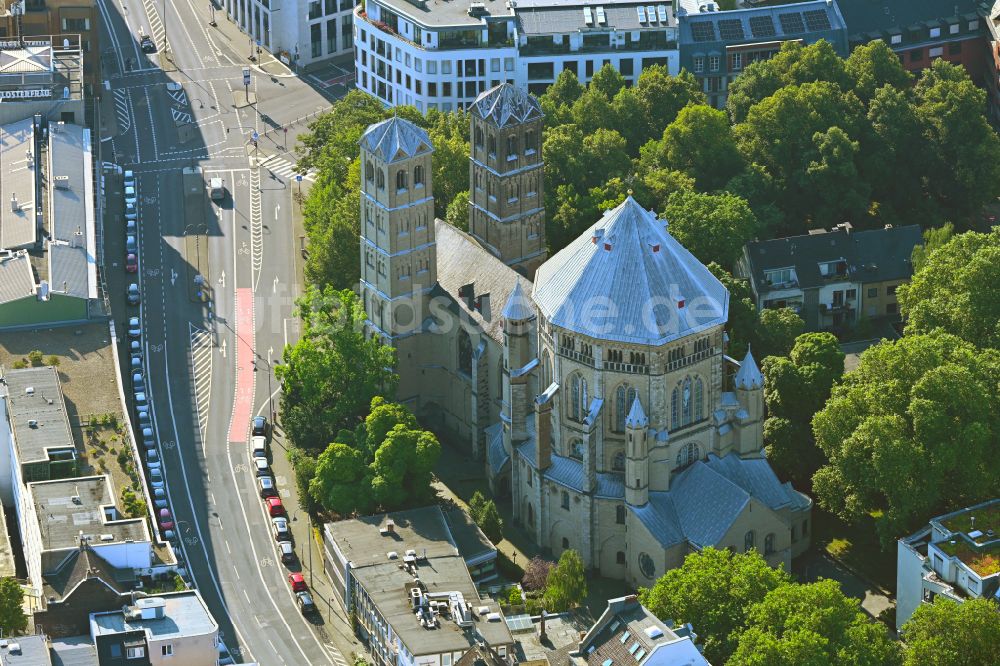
(780, 276)
(833, 268)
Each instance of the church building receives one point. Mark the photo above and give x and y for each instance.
(593, 385)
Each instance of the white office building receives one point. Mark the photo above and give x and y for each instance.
(299, 32)
(441, 54)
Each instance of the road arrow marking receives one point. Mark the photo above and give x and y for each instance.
(222, 348)
(275, 288)
(222, 279)
(277, 207)
(173, 277)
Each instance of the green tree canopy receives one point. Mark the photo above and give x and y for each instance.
(812, 623)
(910, 433)
(714, 227)
(13, 621)
(700, 143)
(331, 374)
(873, 65)
(341, 481)
(958, 290)
(566, 586)
(713, 590)
(776, 331)
(946, 633)
(401, 471)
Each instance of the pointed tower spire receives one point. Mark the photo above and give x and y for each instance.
(636, 417)
(518, 306)
(749, 376)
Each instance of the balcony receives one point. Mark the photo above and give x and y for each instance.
(545, 46)
(830, 308)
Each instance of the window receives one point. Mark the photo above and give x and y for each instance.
(624, 397)
(769, 544)
(464, 352)
(401, 180)
(646, 565)
(618, 462)
(479, 137)
(736, 61)
(936, 51)
(135, 652)
(531, 509)
(369, 172)
(116, 651)
(76, 24)
(529, 142)
(699, 64)
(576, 449)
(953, 29)
(418, 176)
(805, 528)
(620, 514)
(578, 398)
(620, 558)
(713, 63)
(935, 32)
(380, 179)
(916, 55)
(896, 39)
(564, 502)
(955, 48)
(891, 290)
(491, 146)
(780, 276)
(872, 292)
(167, 650)
(565, 541)
(686, 405)
(508, 64)
(511, 147)
(795, 534)
(748, 541)
(688, 454)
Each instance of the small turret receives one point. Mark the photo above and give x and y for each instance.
(749, 385)
(749, 377)
(636, 456)
(518, 316)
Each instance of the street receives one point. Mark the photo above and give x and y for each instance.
(210, 350)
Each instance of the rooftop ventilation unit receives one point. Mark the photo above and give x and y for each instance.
(32, 423)
(654, 632)
(601, 18)
(107, 537)
(29, 390)
(411, 553)
(588, 16)
(391, 555)
(62, 182)
(477, 9)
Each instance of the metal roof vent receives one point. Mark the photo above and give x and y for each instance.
(62, 182)
(32, 423)
(30, 390)
(392, 555)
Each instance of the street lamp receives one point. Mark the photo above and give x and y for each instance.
(17, 10)
(164, 26)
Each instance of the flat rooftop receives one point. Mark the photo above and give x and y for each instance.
(17, 280)
(74, 651)
(441, 13)
(72, 248)
(46, 67)
(37, 413)
(439, 566)
(184, 614)
(18, 182)
(32, 650)
(7, 568)
(974, 537)
(67, 507)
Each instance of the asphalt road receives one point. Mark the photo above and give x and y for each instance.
(209, 364)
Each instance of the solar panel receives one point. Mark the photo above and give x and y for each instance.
(519, 623)
(703, 31)
(661, 13)
(731, 29)
(791, 24)
(761, 26)
(817, 19)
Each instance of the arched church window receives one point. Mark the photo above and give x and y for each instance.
(491, 146)
(531, 516)
(687, 403)
(380, 179)
(500, 380)
(479, 137)
(418, 176)
(769, 544)
(699, 399)
(620, 514)
(748, 540)
(369, 172)
(688, 454)
(511, 146)
(618, 462)
(578, 397)
(546, 370)
(529, 142)
(464, 352)
(576, 449)
(624, 397)
(564, 501)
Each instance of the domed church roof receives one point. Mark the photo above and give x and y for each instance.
(507, 104)
(626, 279)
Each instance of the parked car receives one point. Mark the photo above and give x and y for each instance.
(144, 419)
(135, 364)
(148, 442)
(135, 348)
(147, 44)
(166, 520)
(274, 506)
(128, 178)
(261, 428)
(258, 447)
(134, 330)
(131, 212)
(305, 601)
(287, 551)
(131, 261)
(156, 478)
(260, 464)
(138, 383)
(133, 294)
(130, 245)
(152, 455)
(140, 400)
(130, 227)
(298, 583)
(130, 194)
(279, 527)
(153, 463)
(265, 485)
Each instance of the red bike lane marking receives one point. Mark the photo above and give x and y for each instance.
(243, 402)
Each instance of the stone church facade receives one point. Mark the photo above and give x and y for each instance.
(594, 384)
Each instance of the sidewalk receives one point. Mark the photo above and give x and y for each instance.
(240, 44)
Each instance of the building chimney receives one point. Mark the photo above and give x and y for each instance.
(390, 526)
(543, 428)
(541, 627)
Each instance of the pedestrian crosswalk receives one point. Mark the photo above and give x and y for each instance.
(181, 117)
(287, 168)
(155, 24)
(202, 350)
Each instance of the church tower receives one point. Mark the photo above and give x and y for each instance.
(398, 252)
(506, 196)
(636, 456)
(749, 385)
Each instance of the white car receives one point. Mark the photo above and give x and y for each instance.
(261, 466)
(279, 527)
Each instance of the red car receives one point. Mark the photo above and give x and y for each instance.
(274, 506)
(297, 582)
(131, 263)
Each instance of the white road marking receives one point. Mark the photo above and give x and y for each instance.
(256, 228)
(201, 365)
(287, 169)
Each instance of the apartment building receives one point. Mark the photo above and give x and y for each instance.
(717, 46)
(300, 33)
(956, 555)
(442, 54)
(75, 19)
(832, 278)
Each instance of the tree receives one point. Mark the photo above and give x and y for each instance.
(12, 618)
(700, 143)
(714, 227)
(449, 132)
(401, 471)
(536, 574)
(812, 623)
(608, 81)
(566, 586)
(457, 214)
(947, 633)
(933, 239)
(382, 418)
(958, 290)
(743, 315)
(341, 480)
(331, 220)
(776, 332)
(713, 590)
(873, 65)
(662, 97)
(841, 193)
(133, 504)
(476, 505)
(331, 374)
(911, 432)
(304, 467)
(490, 522)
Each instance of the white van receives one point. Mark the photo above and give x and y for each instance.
(216, 190)
(258, 447)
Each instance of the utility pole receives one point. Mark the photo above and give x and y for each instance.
(246, 82)
(164, 26)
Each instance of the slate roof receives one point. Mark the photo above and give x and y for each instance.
(16, 278)
(396, 139)
(636, 276)
(496, 454)
(749, 375)
(569, 472)
(898, 16)
(506, 105)
(551, 17)
(84, 564)
(636, 417)
(876, 255)
(518, 307)
(627, 633)
(460, 261)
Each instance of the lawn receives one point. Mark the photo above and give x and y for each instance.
(856, 545)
